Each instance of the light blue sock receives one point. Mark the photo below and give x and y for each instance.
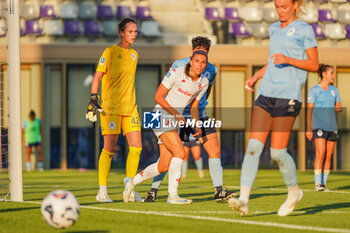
(251, 162)
(215, 170)
(184, 168)
(199, 164)
(40, 164)
(286, 165)
(157, 180)
(317, 179)
(28, 166)
(325, 178)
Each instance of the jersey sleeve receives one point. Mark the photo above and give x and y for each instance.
(169, 79)
(212, 75)
(309, 39)
(203, 90)
(311, 96)
(103, 62)
(337, 96)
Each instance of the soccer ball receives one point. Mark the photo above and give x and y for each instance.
(60, 209)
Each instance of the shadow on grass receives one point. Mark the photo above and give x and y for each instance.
(90, 231)
(18, 209)
(320, 208)
(258, 195)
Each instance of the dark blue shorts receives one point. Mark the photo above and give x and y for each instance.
(33, 144)
(328, 135)
(279, 107)
(184, 133)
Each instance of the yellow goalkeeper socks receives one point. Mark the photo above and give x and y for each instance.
(104, 165)
(132, 162)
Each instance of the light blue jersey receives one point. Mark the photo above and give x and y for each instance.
(324, 113)
(209, 73)
(286, 81)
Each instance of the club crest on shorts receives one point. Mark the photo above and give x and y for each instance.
(111, 125)
(319, 132)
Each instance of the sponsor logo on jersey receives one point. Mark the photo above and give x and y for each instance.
(133, 56)
(111, 125)
(291, 32)
(102, 61)
(151, 120)
(185, 92)
(183, 80)
(120, 56)
(199, 86)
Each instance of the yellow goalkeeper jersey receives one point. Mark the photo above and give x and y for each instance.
(118, 82)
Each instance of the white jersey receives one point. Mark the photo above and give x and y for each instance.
(182, 90)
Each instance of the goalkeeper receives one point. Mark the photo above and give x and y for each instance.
(116, 69)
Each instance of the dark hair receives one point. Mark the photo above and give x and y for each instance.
(124, 22)
(323, 68)
(188, 65)
(201, 41)
(32, 113)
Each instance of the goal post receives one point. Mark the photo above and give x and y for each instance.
(14, 79)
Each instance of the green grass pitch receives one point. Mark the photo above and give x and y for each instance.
(317, 211)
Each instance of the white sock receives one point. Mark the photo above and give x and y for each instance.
(174, 175)
(103, 189)
(199, 164)
(215, 170)
(293, 190)
(184, 168)
(147, 173)
(245, 193)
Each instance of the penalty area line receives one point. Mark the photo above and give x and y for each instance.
(240, 221)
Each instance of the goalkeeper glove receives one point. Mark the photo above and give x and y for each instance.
(93, 108)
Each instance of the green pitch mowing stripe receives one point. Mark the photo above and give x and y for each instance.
(246, 222)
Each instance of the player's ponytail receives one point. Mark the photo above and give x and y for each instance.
(187, 69)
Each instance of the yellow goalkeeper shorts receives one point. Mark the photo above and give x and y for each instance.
(113, 124)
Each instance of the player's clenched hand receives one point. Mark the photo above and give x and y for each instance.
(93, 108)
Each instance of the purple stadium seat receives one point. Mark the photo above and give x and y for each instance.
(318, 30)
(212, 13)
(47, 11)
(72, 28)
(325, 15)
(143, 12)
(33, 27)
(239, 30)
(231, 13)
(92, 28)
(347, 29)
(104, 12)
(124, 11)
(320, 1)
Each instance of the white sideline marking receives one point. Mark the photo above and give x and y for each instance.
(181, 187)
(247, 222)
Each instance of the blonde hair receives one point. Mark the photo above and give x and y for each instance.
(300, 9)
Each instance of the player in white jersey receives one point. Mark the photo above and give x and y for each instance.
(208, 138)
(292, 53)
(323, 101)
(179, 88)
